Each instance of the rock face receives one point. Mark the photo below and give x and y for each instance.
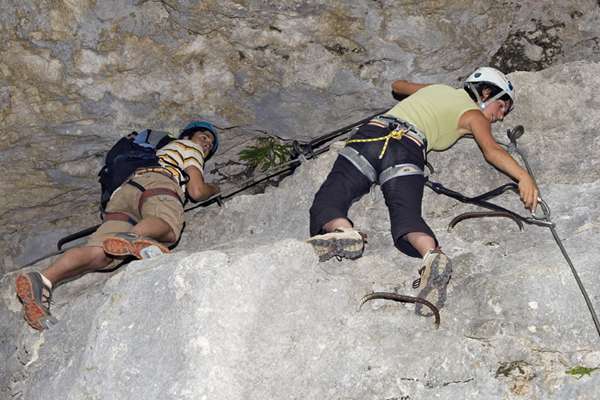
(244, 310)
(75, 76)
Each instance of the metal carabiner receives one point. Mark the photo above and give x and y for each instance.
(545, 210)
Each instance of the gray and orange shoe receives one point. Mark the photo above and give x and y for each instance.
(130, 244)
(341, 243)
(36, 298)
(434, 276)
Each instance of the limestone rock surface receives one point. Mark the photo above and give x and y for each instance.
(244, 310)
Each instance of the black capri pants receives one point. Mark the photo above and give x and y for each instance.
(403, 195)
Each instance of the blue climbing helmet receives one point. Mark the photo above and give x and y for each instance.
(196, 126)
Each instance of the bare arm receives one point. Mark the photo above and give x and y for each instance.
(406, 88)
(474, 121)
(197, 188)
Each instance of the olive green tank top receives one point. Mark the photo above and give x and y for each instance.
(435, 111)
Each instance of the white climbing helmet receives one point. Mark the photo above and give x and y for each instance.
(493, 77)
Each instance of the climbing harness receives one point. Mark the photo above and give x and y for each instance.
(398, 130)
(396, 134)
(146, 193)
(497, 211)
(399, 170)
(360, 162)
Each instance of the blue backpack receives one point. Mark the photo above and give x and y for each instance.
(136, 150)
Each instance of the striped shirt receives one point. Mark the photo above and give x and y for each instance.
(179, 155)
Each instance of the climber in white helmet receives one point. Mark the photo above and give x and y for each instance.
(390, 150)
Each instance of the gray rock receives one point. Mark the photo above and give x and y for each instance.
(243, 309)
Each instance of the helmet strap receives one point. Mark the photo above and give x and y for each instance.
(479, 102)
(482, 104)
(496, 97)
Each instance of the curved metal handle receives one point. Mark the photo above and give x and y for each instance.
(515, 133)
(545, 211)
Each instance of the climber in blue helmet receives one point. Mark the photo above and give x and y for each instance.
(143, 218)
(202, 126)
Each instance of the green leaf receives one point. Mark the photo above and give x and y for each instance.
(266, 153)
(579, 371)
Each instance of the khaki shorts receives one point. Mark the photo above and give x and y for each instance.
(126, 200)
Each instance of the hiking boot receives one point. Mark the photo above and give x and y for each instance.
(433, 281)
(341, 243)
(130, 244)
(36, 299)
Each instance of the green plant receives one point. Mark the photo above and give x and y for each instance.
(579, 371)
(267, 153)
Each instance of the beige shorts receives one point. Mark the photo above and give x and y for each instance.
(126, 199)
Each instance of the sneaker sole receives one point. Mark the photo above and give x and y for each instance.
(118, 247)
(141, 244)
(34, 313)
(436, 288)
(346, 248)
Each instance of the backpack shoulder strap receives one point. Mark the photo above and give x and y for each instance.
(152, 139)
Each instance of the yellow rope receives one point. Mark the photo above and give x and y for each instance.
(397, 134)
